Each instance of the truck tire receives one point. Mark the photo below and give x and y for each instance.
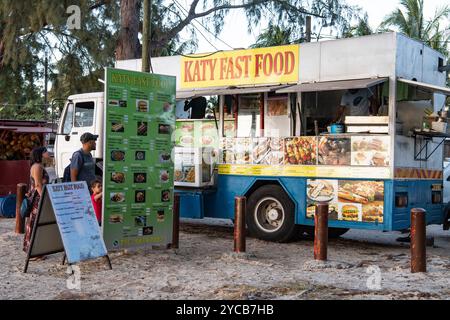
(333, 233)
(270, 214)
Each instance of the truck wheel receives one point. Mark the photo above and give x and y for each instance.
(333, 233)
(270, 214)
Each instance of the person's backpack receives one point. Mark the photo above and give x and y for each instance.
(66, 175)
(27, 206)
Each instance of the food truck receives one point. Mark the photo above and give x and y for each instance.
(276, 138)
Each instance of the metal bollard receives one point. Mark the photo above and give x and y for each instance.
(321, 232)
(418, 240)
(239, 224)
(176, 221)
(20, 222)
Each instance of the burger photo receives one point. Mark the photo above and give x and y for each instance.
(350, 212)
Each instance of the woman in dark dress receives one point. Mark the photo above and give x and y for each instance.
(38, 178)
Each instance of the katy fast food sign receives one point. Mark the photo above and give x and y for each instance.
(274, 65)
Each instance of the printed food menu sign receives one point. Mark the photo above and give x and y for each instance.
(76, 221)
(348, 200)
(138, 169)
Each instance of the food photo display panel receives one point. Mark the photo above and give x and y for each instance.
(348, 200)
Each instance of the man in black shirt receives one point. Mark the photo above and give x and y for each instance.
(197, 106)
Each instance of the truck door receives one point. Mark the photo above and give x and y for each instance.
(78, 118)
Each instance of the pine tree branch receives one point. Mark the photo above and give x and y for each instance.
(192, 15)
(98, 4)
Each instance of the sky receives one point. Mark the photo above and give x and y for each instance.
(235, 31)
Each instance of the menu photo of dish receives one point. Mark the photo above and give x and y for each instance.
(118, 177)
(260, 149)
(160, 215)
(142, 128)
(185, 174)
(139, 156)
(186, 141)
(164, 128)
(367, 195)
(117, 127)
(206, 140)
(117, 197)
(300, 150)
(165, 157)
(243, 150)
(142, 105)
(115, 218)
(140, 221)
(333, 210)
(276, 153)
(185, 127)
(140, 177)
(117, 103)
(227, 151)
(370, 151)
(319, 190)
(165, 196)
(350, 212)
(117, 155)
(334, 151)
(139, 196)
(164, 176)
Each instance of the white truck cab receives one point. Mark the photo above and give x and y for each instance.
(82, 113)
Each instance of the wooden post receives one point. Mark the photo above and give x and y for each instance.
(239, 224)
(20, 222)
(321, 232)
(418, 241)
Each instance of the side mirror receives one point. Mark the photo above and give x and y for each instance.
(67, 138)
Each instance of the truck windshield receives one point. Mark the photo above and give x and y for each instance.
(84, 114)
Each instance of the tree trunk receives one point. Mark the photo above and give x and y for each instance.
(128, 46)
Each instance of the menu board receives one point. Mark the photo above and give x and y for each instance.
(334, 151)
(198, 134)
(370, 151)
(77, 222)
(348, 200)
(301, 150)
(268, 151)
(138, 169)
(243, 150)
(356, 151)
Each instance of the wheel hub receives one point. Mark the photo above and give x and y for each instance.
(269, 214)
(273, 214)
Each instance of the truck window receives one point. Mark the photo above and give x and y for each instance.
(84, 114)
(68, 119)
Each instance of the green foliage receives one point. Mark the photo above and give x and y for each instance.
(273, 36)
(409, 19)
(28, 29)
(362, 28)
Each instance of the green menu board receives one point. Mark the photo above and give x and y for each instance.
(138, 169)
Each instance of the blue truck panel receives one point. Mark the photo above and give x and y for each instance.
(219, 203)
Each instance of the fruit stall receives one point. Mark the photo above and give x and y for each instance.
(17, 140)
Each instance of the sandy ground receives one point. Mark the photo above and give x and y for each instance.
(205, 268)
